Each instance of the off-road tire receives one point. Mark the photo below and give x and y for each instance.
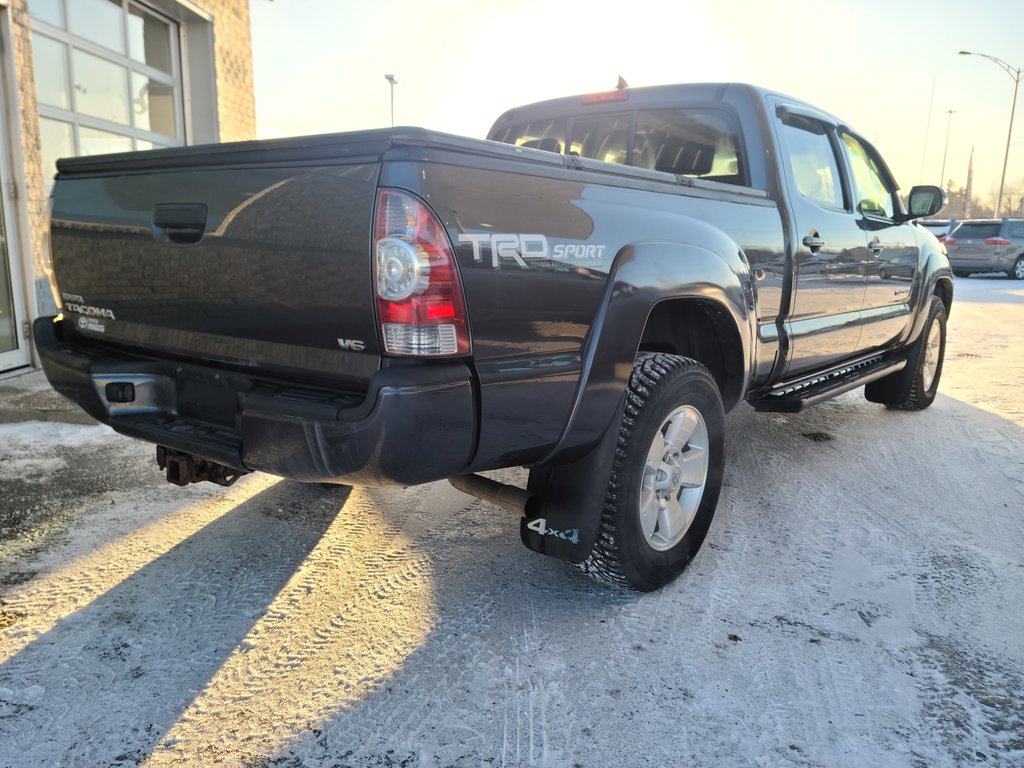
(914, 388)
(660, 385)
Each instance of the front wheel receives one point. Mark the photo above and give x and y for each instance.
(914, 388)
(1018, 269)
(666, 476)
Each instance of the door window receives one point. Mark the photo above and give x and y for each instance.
(873, 194)
(812, 161)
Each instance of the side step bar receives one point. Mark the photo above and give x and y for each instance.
(800, 394)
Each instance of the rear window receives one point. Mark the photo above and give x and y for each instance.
(548, 135)
(698, 143)
(701, 144)
(977, 230)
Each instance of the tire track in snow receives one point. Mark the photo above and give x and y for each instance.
(338, 631)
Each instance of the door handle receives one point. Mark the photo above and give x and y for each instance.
(179, 223)
(813, 242)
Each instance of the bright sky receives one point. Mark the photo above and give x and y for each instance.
(320, 65)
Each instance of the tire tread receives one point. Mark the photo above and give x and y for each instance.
(605, 562)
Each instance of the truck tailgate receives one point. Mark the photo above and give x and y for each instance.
(241, 254)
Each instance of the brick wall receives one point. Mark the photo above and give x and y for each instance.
(236, 104)
(30, 175)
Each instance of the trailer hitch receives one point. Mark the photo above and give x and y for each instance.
(184, 468)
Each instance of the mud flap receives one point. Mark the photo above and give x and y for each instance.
(572, 501)
(896, 387)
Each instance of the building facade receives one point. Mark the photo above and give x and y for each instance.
(81, 77)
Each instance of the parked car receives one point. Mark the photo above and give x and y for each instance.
(899, 265)
(987, 245)
(939, 227)
(584, 295)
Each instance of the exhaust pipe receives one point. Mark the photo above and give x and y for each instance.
(514, 499)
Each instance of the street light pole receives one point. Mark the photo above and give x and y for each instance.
(1015, 75)
(945, 151)
(394, 81)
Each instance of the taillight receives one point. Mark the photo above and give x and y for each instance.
(950, 240)
(419, 297)
(996, 241)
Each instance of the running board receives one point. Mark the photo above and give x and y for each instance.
(800, 394)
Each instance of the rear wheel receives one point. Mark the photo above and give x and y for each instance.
(666, 477)
(1018, 269)
(961, 273)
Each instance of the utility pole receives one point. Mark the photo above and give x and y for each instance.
(942, 175)
(1015, 76)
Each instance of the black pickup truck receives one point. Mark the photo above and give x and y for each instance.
(585, 294)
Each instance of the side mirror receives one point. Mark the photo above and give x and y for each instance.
(925, 200)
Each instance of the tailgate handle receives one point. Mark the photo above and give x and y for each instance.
(179, 223)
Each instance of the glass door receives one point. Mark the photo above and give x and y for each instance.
(13, 345)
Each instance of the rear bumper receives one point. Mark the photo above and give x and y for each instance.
(415, 424)
(982, 262)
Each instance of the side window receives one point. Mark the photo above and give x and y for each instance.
(871, 192)
(812, 161)
(548, 135)
(1016, 230)
(700, 143)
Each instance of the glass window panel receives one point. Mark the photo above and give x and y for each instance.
(94, 142)
(57, 140)
(602, 138)
(50, 11)
(8, 329)
(813, 161)
(142, 145)
(149, 39)
(50, 61)
(153, 103)
(871, 193)
(101, 88)
(690, 142)
(548, 135)
(977, 230)
(101, 21)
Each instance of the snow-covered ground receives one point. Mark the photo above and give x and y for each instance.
(858, 603)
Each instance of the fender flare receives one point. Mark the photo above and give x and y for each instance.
(642, 276)
(571, 478)
(936, 271)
